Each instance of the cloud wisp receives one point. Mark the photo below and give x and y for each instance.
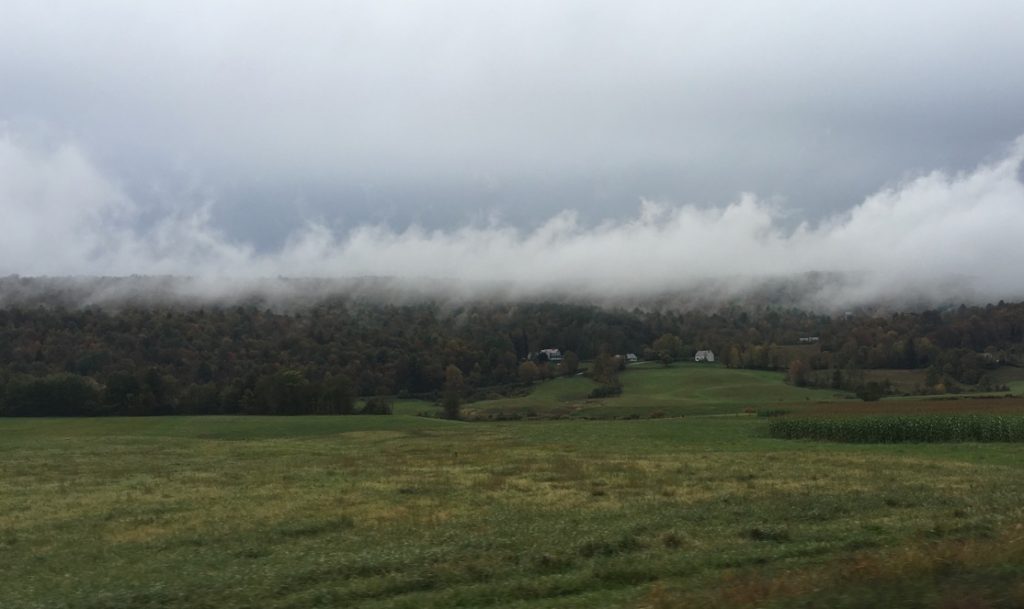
(933, 238)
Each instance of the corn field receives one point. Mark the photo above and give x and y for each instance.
(890, 429)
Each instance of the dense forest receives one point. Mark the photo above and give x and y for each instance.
(176, 359)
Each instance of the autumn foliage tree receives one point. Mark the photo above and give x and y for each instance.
(528, 372)
(797, 373)
(667, 348)
(570, 363)
(454, 386)
(605, 369)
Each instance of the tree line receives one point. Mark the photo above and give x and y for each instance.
(150, 360)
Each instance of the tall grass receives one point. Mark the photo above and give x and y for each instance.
(410, 512)
(891, 429)
(981, 573)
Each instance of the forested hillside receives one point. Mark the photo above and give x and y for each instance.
(244, 359)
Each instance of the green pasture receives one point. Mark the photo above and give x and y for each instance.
(692, 388)
(403, 511)
(553, 398)
(1011, 376)
(650, 389)
(687, 388)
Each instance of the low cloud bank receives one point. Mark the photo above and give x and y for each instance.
(932, 239)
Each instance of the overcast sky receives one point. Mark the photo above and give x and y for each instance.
(258, 122)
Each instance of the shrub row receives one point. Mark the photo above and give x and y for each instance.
(605, 391)
(889, 429)
(772, 412)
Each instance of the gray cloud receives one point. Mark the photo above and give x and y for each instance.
(440, 113)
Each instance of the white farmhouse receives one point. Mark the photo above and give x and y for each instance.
(552, 355)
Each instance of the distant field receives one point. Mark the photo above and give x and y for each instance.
(687, 388)
(412, 512)
(407, 407)
(908, 381)
(1011, 376)
(904, 381)
(911, 381)
(553, 398)
(682, 389)
(691, 388)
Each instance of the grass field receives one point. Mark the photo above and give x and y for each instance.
(692, 388)
(1010, 376)
(912, 381)
(687, 388)
(701, 511)
(682, 389)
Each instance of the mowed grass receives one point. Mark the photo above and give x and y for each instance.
(699, 388)
(412, 512)
(684, 388)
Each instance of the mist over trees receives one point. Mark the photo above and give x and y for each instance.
(150, 360)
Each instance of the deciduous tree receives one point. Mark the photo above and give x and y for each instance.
(454, 386)
(527, 372)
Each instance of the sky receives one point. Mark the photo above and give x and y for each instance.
(536, 142)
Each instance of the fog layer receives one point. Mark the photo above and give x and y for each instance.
(936, 237)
